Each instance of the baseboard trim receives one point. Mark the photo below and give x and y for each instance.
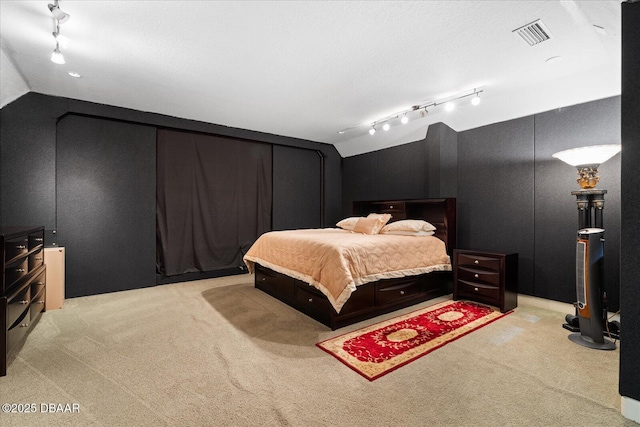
(557, 306)
(630, 408)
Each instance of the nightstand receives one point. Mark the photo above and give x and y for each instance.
(486, 277)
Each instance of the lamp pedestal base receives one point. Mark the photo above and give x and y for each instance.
(590, 207)
(588, 342)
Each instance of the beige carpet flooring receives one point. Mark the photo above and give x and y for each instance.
(218, 352)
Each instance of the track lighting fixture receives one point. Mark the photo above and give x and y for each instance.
(56, 56)
(60, 16)
(421, 110)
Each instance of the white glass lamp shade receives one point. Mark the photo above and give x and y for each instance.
(587, 160)
(592, 155)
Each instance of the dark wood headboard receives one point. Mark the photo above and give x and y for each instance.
(439, 212)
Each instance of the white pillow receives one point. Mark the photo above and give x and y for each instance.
(348, 223)
(408, 225)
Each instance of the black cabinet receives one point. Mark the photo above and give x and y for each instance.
(23, 285)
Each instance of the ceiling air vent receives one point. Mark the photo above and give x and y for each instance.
(534, 33)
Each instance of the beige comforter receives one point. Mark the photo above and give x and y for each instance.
(335, 261)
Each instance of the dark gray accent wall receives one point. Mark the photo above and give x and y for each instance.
(496, 192)
(514, 197)
(556, 213)
(29, 144)
(106, 204)
(297, 198)
(421, 169)
(630, 209)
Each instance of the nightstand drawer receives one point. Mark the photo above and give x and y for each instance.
(472, 290)
(476, 275)
(475, 260)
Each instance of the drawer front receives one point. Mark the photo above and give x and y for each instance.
(15, 247)
(476, 275)
(15, 334)
(362, 299)
(15, 272)
(390, 292)
(36, 259)
(37, 306)
(36, 239)
(270, 281)
(17, 305)
(489, 263)
(312, 298)
(38, 284)
(487, 293)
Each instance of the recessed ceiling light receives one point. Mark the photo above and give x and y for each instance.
(553, 59)
(74, 74)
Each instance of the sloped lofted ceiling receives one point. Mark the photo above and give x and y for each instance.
(308, 69)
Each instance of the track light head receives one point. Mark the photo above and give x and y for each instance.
(476, 99)
(449, 106)
(58, 13)
(56, 56)
(372, 131)
(404, 120)
(385, 127)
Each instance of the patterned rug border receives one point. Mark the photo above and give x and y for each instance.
(374, 326)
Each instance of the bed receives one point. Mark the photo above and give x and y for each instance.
(340, 277)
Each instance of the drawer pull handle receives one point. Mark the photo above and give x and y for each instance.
(310, 299)
(21, 247)
(20, 270)
(391, 207)
(476, 262)
(39, 283)
(40, 302)
(264, 278)
(476, 275)
(475, 289)
(38, 239)
(39, 258)
(24, 301)
(24, 325)
(401, 292)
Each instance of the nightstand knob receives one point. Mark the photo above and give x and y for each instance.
(401, 292)
(476, 275)
(391, 207)
(476, 262)
(310, 299)
(475, 289)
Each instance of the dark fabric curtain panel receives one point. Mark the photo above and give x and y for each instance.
(213, 198)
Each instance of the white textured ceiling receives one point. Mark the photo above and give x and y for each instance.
(308, 69)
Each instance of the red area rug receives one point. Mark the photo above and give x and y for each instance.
(378, 349)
